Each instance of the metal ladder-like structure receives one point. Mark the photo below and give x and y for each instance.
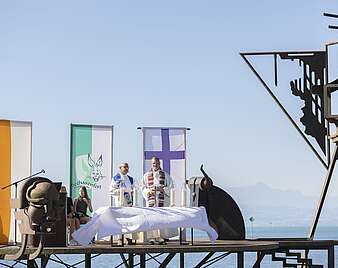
(293, 259)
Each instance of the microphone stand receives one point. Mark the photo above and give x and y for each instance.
(16, 196)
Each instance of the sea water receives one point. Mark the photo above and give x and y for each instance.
(191, 259)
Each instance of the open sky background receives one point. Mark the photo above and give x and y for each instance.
(161, 63)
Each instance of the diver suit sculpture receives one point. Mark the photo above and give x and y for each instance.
(39, 208)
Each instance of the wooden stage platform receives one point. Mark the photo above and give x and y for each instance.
(238, 247)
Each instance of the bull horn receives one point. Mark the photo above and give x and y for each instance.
(205, 174)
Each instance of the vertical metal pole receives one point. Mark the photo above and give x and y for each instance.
(181, 260)
(88, 260)
(324, 192)
(326, 81)
(305, 255)
(71, 162)
(240, 259)
(15, 221)
(185, 176)
(276, 71)
(145, 236)
(330, 256)
(142, 260)
(143, 149)
(192, 236)
(112, 170)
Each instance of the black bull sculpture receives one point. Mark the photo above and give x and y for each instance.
(40, 208)
(223, 213)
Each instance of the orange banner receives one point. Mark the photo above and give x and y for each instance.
(5, 179)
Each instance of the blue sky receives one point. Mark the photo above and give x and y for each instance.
(161, 63)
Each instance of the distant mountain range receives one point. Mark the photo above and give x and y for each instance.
(275, 207)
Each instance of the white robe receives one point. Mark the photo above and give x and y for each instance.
(168, 185)
(115, 189)
(123, 184)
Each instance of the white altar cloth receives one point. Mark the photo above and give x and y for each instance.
(108, 221)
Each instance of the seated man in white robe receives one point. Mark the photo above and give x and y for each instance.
(155, 186)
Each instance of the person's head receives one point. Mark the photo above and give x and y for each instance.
(155, 163)
(124, 168)
(83, 192)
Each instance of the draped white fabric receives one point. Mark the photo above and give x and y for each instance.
(123, 220)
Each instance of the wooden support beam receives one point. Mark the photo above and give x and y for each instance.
(88, 260)
(181, 260)
(124, 260)
(131, 260)
(204, 260)
(167, 260)
(44, 260)
(30, 264)
(330, 256)
(240, 259)
(325, 189)
(142, 260)
(260, 256)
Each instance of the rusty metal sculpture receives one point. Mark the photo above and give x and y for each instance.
(227, 219)
(314, 89)
(39, 208)
(313, 66)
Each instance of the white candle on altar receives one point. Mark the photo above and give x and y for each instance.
(172, 197)
(121, 197)
(134, 197)
(184, 196)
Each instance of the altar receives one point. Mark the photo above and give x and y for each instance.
(108, 221)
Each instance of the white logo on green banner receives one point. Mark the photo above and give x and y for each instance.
(91, 162)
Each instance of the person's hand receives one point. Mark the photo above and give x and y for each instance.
(86, 200)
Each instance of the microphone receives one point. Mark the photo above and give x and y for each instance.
(26, 178)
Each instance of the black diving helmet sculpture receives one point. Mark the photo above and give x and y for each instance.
(38, 211)
(223, 213)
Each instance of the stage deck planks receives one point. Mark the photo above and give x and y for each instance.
(171, 247)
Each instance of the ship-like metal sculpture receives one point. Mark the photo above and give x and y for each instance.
(315, 89)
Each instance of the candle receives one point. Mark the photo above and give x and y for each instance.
(184, 196)
(172, 197)
(121, 201)
(134, 197)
